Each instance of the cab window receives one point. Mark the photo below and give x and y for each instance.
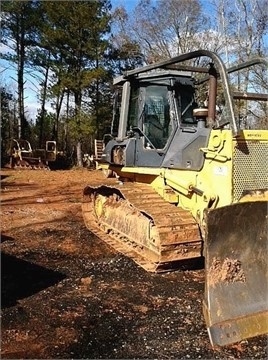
(156, 116)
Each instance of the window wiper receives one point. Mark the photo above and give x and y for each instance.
(187, 107)
(140, 132)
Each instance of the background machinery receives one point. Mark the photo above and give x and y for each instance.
(191, 184)
(22, 156)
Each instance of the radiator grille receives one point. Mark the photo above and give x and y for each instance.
(249, 167)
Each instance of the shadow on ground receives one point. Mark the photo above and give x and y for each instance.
(21, 279)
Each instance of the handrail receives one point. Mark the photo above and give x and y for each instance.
(192, 55)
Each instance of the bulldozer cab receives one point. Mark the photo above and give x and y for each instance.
(51, 150)
(155, 108)
(157, 104)
(153, 104)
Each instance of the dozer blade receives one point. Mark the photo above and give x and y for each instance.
(236, 288)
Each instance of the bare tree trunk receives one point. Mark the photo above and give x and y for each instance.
(78, 101)
(79, 154)
(65, 147)
(44, 95)
(21, 55)
(58, 110)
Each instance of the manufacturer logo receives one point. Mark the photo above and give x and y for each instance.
(254, 135)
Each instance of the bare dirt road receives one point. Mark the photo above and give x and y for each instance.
(66, 294)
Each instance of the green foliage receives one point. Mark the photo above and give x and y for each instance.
(7, 118)
(6, 100)
(81, 126)
(48, 120)
(20, 19)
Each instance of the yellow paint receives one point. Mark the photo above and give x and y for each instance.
(213, 183)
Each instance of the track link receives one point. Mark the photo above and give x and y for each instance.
(139, 223)
(29, 165)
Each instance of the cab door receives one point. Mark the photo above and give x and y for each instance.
(151, 122)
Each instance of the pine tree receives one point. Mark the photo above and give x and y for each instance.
(18, 31)
(76, 38)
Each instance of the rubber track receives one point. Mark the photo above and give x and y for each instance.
(167, 217)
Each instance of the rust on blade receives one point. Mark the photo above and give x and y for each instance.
(236, 287)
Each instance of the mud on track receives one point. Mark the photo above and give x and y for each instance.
(66, 294)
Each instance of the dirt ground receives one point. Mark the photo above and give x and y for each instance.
(66, 294)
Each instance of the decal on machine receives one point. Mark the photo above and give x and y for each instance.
(220, 170)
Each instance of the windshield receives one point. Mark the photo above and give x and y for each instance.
(150, 111)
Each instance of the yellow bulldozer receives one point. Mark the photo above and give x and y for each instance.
(22, 156)
(190, 184)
